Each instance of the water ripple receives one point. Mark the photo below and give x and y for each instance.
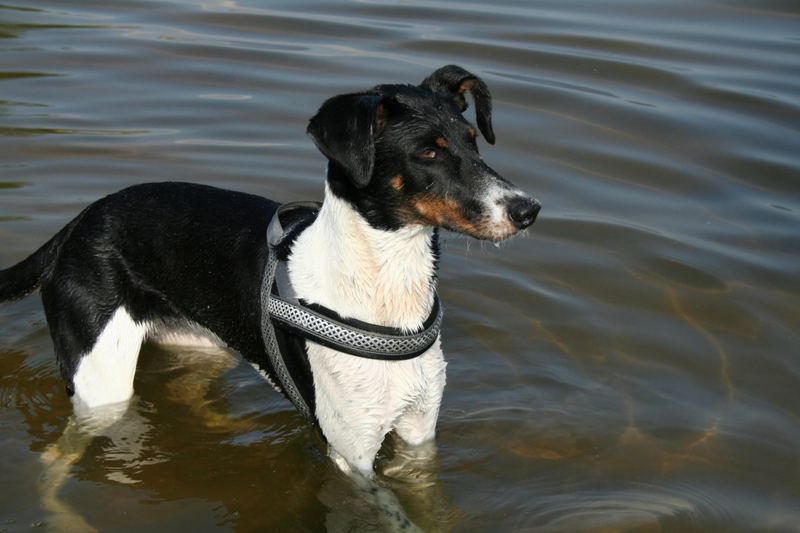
(629, 364)
(679, 505)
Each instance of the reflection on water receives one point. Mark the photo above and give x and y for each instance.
(629, 364)
(166, 449)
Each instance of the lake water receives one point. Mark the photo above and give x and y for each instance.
(632, 364)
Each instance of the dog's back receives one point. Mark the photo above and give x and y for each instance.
(133, 248)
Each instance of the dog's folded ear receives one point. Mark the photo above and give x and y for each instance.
(454, 80)
(344, 129)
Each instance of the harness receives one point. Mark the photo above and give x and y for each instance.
(284, 314)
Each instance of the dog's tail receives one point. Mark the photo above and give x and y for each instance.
(26, 276)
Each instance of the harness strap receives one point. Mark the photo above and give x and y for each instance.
(352, 340)
(282, 374)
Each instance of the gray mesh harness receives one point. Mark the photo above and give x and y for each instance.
(282, 308)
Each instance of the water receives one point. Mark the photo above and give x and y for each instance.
(631, 364)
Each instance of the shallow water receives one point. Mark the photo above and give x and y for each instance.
(630, 364)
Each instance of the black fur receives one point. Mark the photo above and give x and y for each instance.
(453, 81)
(344, 130)
(388, 130)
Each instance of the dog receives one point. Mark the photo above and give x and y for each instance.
(159, 260)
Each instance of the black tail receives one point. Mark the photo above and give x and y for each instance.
(26, 276)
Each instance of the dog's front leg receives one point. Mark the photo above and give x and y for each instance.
(416, 449)
(349, 414)
(417, 425)
(356, 460)
(353, 447)
(353, 437)
(418, 428)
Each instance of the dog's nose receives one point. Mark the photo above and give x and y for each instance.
(522, 211)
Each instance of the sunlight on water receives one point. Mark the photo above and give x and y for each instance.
(629, 364)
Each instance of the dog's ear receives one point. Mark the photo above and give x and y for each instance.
(454, 80)
(345, 128)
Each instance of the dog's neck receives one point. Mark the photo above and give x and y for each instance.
(381, 277)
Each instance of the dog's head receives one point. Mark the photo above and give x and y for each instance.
(405, 155)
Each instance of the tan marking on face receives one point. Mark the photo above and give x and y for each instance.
(397, 182)
(441, 142)
(448, 214)
(472, 133)
(442, 212)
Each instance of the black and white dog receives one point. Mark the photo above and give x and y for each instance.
(161, 259)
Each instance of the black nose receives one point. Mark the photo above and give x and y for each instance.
(522, 211)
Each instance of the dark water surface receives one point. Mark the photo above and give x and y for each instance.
(632, 363)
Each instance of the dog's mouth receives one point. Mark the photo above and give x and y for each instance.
(497, 220)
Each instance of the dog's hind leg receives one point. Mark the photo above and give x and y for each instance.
(97, 347)
(104, 375)
(57, 462)
(96, 343)
(59, 458)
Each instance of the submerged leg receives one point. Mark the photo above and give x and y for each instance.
(105, 374)
(97, 353)
(58, 459)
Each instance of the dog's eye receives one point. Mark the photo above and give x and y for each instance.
(428, 153)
